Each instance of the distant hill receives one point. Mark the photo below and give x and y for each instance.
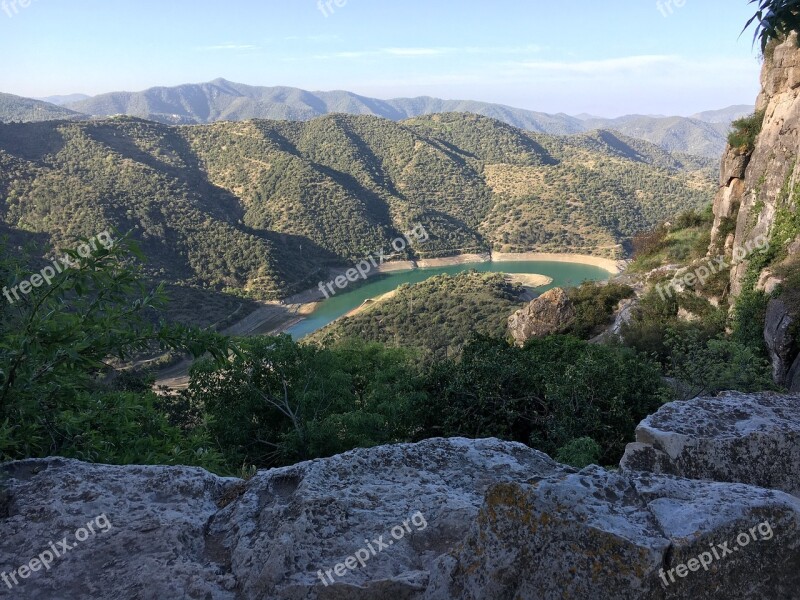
(264, 207)
(62, 100)
(17, 108)
(222, 100)
(725, 115)
(674, 134)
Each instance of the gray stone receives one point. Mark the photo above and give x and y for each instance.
(778, 335)
(550, 313)
(481, 519)
(744, 438)
(155, 548)
(296, 521)
(600, 535)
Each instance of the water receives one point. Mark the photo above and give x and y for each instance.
(563, 275)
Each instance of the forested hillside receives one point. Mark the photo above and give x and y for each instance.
(438, 316)
(263, 207)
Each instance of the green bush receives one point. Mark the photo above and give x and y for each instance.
(580, 453)
(594, 306)
(278, 402)
(703, 366)
(55, 343)
(546, 394)
(745, 131)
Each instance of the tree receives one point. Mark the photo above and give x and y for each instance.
(774, 19)
(56, 343)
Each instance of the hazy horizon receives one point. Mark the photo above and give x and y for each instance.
(644, 57)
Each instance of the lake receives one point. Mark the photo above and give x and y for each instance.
(563, 275)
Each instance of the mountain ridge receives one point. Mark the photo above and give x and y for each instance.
(702, 134)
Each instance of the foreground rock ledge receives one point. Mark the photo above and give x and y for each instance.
(502, 521)
(744, 438)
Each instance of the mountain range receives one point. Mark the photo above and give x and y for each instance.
(221, 100)
(263, 206)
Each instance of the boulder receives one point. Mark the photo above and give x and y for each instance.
(456, 519)
(154, 548)
(550, 313)
(184, 533)
(296, 521)
(744, 438)
(599, 535)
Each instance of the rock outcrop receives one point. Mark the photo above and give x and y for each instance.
(184, 533)
(596, 535)
(442, 519)
(293, 522)
(742, 438)
(759, 189)
(550, 313)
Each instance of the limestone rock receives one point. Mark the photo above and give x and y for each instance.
(550, 313)
(170, 538)
(296, 521)
(599, 535)
(480, 519)
(155, 548)
(734, 166)
(745, 438)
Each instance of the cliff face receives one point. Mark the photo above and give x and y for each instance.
(757, 197)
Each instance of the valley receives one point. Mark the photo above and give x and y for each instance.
(263, 210)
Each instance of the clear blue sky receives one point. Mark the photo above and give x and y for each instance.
(604, 57)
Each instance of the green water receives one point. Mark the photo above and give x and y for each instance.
(563, 274)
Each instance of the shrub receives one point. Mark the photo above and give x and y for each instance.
(547, 394)
(580, 453)
(708, 366)
(745, 131)
(54, 346)
(649, 242)
(594, 306)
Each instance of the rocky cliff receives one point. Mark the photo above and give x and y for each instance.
(757, 200)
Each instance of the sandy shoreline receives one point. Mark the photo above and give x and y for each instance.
(529, 280)
(607, 264)
(459, 259)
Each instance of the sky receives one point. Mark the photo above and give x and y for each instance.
(601, 57)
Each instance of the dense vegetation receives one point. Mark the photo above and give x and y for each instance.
(16, 108)
(437, 316)
(56, 345)
(261, 208)
(269, 401)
